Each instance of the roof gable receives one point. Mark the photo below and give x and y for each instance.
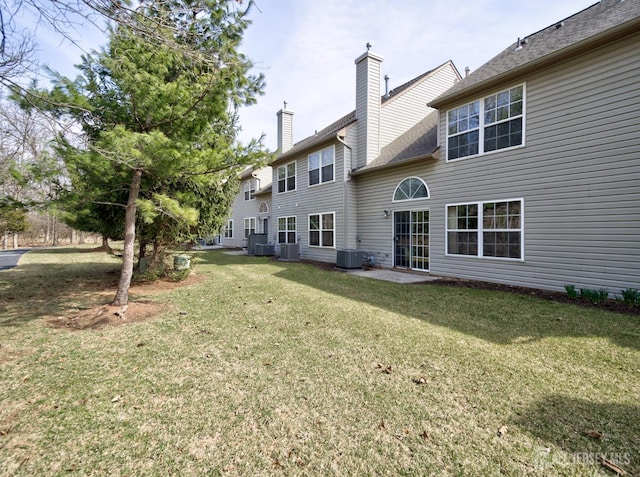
(329, 133)
(319, 137)
(417, 143)
(597, 23)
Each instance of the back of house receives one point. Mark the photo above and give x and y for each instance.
(525, 172)
(538, 183)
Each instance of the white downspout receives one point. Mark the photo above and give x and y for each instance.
(344, 189)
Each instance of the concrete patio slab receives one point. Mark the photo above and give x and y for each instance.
(236, 252)
(374, 273)
(392, 276)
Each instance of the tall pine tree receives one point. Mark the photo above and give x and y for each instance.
(161, 125)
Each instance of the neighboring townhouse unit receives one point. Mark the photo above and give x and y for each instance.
(532, 175)
(251, 208)
(314, 198)
(525, 172)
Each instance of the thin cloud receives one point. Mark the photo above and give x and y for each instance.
(307, 49)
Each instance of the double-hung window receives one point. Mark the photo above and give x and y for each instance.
(322, 230)
(287, 229)
(228, 229)
(492, 123)
(249, 226)
(321, 166)
(486, 229)
(250, 187)
(463, 131)
(287, 177)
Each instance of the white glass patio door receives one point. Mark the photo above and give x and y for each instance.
(411, 239)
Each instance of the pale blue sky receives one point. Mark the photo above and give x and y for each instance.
(306, 48)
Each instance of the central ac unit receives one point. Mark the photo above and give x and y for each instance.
(253, 240)
(289, 251)
(264, 250)
(349, 259)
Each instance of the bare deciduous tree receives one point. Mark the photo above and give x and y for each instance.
(67, 18)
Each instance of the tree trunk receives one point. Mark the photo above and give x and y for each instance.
(47, 234)
(105, 243)
(142, 250)
(122, 295)
(142, 254)
(54, 230)
(15, 240)
(4, 240)
(157, 257)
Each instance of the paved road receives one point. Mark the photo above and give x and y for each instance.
(9, 258)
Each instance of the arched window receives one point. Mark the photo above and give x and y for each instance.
(411, 188)
(264, 208)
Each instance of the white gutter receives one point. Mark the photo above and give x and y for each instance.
(344, 188)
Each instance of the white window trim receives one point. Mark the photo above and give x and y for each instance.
(295, 175)
(309, 230)
(482, 125)
(228, 230)
(260, 207)
(249, 185)
(333, 165)
(255, 225)
(414, 209)
(404, 201)
(481, 229)
(287, 231)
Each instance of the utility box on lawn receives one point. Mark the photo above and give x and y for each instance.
(181, 262)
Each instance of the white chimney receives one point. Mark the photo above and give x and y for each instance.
(285, 129)
(368, 68)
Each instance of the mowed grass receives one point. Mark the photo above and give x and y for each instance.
(274, 368)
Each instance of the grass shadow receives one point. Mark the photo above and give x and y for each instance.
(585, 431)
(62, 250)
(495, 316)
(220, 257)
(37, 289)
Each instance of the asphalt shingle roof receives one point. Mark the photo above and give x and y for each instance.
(319, 137)
(418, 142)
(265, 190)
(549, 44)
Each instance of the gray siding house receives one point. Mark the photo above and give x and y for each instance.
(526, 172)
(251, 208)
(533, 178)
(314, 199)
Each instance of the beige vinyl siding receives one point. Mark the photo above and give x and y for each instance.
(401, 113)
(285, 131)
(242, 209)
(375, 194)
(579, 176)
(317, 199)
(375, 190)
(262, 216)
(368, 108)
(348, 230)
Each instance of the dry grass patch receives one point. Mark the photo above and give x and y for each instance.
(269, 368)
(107, 315)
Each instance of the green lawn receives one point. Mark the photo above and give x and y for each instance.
(274, 368)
